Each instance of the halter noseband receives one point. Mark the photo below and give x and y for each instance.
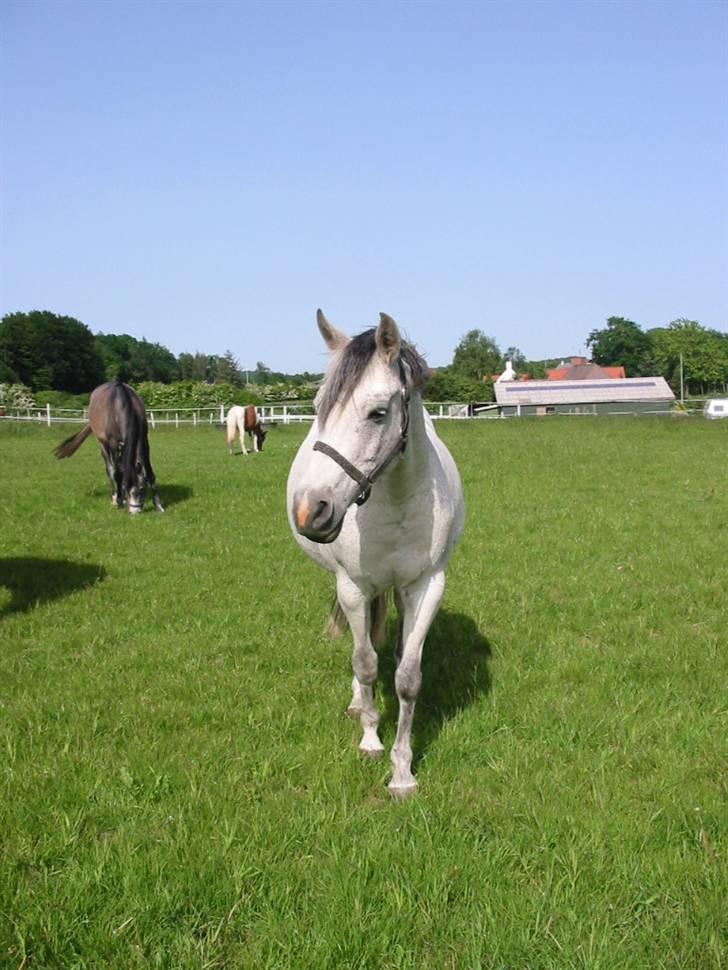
(365, 482)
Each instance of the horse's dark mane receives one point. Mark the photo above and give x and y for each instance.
(351, 365)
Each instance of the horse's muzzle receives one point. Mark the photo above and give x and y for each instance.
(316, 515)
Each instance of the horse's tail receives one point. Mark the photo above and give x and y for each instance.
(71, 445)
(133, 426)
(379, 608)
(337, 623)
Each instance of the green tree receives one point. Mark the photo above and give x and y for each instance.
(477, 356)
(228, 370)
(536, 369)
(197, 367)
(622, 342)
(152, 362)
(263, 374)
(446, 384)
(517, 359)
(704, 356)
(45, 350)
(132, 360)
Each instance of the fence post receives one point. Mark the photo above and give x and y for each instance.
(176, 419)
(48, 414)
(151, 418)
(194, 419)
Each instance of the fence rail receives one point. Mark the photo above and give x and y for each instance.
(286, 414)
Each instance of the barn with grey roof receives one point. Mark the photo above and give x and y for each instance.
(631, 395)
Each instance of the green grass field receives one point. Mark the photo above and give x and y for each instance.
(181, 787)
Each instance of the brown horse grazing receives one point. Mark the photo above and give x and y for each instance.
(241, 419)
(117, 417)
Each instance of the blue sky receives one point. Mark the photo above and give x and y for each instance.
(206, 175)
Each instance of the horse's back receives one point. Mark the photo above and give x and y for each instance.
(110, 409)
(251, 417)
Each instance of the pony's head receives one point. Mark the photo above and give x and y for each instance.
(260, 434)
(135, 487)
(362, 421)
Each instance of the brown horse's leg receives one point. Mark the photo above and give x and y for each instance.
(151, 481)
(113, 471)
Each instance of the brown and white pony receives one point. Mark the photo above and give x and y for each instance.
(117, 417)
(241, 419)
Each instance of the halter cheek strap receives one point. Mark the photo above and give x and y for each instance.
(365, 482)
(359, 477)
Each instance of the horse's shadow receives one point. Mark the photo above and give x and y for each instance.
(454, 673)
(169, 494)
(31, 581)
(174, 494)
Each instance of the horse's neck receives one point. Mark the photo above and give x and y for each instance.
(409, 471)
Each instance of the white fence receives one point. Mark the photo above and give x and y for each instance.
(270, 414)
(179, 417)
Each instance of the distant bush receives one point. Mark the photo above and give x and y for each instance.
(283, 391)
(15, 396)
(445, 384)
(190, 394)
(61, 399)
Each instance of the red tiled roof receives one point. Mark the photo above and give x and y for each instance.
(584, 372)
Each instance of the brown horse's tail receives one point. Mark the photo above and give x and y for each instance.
(71, 445)
(337, 624)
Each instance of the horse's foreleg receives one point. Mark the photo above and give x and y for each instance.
(241, 432)
(418, 604)
(364, 661)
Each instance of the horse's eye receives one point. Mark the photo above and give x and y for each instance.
(377, 415)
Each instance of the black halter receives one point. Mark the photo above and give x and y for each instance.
(365, 482)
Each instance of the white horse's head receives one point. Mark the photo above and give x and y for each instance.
(361, 425)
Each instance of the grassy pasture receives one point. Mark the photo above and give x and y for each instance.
(181, 787)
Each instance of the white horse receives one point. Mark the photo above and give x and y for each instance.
(397, 534)
(241, 419)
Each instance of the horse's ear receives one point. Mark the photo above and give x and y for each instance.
(387, 338)
(334, 339)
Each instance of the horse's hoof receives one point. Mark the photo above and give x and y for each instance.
(401, 793)
(373, 754)
(353, 712)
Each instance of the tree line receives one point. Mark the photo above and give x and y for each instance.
(45, 351)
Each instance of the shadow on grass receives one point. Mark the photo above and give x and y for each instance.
(33, 581)
(169, 494)
(454, 674)
(174, 494)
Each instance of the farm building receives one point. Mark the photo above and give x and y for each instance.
(580, 369)
(634, 395)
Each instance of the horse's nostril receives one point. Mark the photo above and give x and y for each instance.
(315, 514)
(321, 514)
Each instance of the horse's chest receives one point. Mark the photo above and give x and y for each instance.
(386, 550)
